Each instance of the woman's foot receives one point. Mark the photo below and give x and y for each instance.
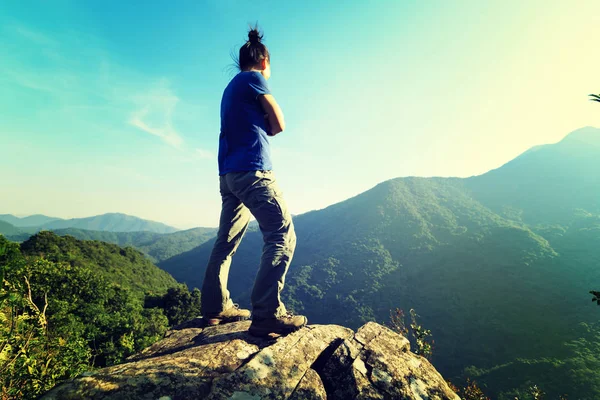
(282, 325)
(232, 314)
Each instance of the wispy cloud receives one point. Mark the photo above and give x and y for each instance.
(205, 154)
(91, 82)
(154, 114)
(33, 36)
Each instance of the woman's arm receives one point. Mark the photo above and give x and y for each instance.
(274, 114)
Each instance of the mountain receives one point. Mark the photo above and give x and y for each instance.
(399, 244)
(114, 222)
(14, 233)
(157, 246)
(30, 221)
(546, 184)
(126, 266)
(8, 229)
(498, 266)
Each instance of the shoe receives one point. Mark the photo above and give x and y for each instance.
(232, 314)
(282, 325)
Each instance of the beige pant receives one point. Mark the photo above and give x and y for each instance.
(243, 193)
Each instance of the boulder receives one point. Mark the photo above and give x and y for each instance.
(225, 362)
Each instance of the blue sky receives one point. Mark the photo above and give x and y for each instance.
(112, 107)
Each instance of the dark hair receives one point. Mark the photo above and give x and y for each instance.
(253, 51)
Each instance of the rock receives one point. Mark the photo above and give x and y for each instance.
(377, 364)
(310, 387)
(317, 362)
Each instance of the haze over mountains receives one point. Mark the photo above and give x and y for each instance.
(27, 222)
(111, 222)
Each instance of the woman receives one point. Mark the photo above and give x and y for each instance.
(249, 114)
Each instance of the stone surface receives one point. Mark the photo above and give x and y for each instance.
(377, 364)
(223, 362)
(310, 387)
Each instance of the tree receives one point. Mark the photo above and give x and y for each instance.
(424, 347)
(178, 304)
(33, 357)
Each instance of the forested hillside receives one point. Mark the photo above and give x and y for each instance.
(157, 246)
(68, 306)
(498, 266)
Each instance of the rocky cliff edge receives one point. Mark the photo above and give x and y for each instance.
(225, 362)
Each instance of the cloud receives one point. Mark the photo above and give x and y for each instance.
(205, 154)
(92, 85)
(33, 36)
(154, 113)
(156, 118)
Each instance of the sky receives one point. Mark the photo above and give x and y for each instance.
(114, 106)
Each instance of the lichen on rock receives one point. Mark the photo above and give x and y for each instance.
(224, 362)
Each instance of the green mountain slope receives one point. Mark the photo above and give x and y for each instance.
(125, 266)
(497, 266)
(157, 246)
(8, 229)
(546, 184)
(400, 244)
(69, 306)
(120, 238)
(114, 222)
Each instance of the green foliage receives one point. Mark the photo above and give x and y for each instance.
(595, 97)
(127, 266)
(471, 391)
(157, 246)
(178, 304)
(421, 335)
(574, 375)
(33, 355)
(83, 303)
(62, 314)
(536, 392)
(423, 346)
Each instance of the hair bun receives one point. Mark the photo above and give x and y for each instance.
(254, 36)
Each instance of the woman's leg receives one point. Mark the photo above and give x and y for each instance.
(233, 223)
(261, 194)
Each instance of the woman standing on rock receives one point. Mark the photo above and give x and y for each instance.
(249, 114)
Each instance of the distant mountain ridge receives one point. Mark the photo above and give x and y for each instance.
(27, 222)
(8, 229)
(110, 222)
(158, 246)
(546, 184)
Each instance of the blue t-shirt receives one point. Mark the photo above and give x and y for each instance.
(243, 142)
